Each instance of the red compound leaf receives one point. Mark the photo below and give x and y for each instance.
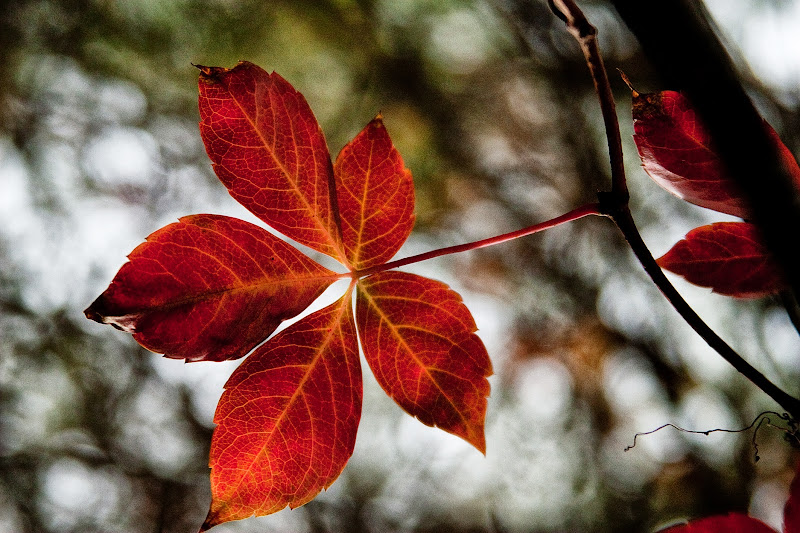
(212, 288)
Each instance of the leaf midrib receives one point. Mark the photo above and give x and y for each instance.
(383, 317)
(298, 192)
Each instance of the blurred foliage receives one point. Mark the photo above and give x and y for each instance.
(493, 110)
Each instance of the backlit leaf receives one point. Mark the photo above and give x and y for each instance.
(209, 288)
(269, 151)
(728, 257)
(288, 418)
(376, 197)
(678, 153)
(419, 340)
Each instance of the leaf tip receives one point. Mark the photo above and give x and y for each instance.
(480, 443)
(98, 310)
(209, 72)
(627, 81)
(650, 107)
(212, 519)
(91, 314)
(377, 121)
(212, 75)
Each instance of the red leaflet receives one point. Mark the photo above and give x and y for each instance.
(739, 523)
(269, 151)
(786, 155)
(679, 154)
(728, 257)
(423, 351)
(209, 288)
(212, 287)
(376, 197)
(288, 418)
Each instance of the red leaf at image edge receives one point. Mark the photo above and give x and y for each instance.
(732, 523)
(740, 523)
(791, 511)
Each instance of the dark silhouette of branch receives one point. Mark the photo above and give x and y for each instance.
(678, 38)
(615, 205)
(586, 35)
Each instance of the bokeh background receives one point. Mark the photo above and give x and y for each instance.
(492, 108)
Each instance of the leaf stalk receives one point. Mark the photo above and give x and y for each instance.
(575, 214)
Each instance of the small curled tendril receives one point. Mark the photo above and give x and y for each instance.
(792, 431)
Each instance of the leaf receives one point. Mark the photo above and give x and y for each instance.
(786, 155)
(212, 288)
(209, 288)
(678, 153)
(728, 257)
(376, 197)
(418, 338)
(288, 418)
(732, 523)
(269, 151)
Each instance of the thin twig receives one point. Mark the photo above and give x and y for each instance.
(586, 35)
(622, 217)
(615, 205)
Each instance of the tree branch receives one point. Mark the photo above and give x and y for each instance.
(586, 35)
(615, 205)
(685, 51)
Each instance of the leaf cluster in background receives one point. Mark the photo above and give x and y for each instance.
(679, 154)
